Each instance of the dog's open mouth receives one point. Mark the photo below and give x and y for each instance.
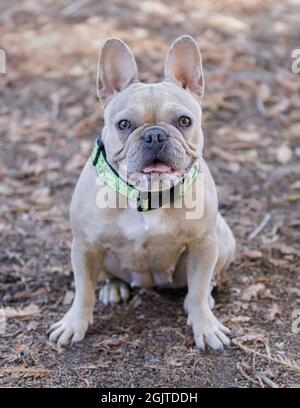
(157, 167)
(156, 176)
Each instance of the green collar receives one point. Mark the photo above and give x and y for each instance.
(144, 199)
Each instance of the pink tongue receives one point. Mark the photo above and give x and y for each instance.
(157, 168)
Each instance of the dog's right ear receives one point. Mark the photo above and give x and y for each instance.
(116, 69)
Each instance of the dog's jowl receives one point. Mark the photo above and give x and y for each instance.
(145, 211)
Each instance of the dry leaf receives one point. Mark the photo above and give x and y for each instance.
(75, 163)
(264, 92)
(296, 185)
(41, 195)
(238, 319)
(5, 189)
(26, 372)
(13, 313)
(252, 337)
(251, 254)
(273, 312)
(249, 136)
(55, 347)
(24, 353)
(278, 108)
(295, 291)
(288, 250)
(257, 291)
(284, 154)
(111, 342)
(294, 130)
(287, 80)
(249, 157)
(228, 24)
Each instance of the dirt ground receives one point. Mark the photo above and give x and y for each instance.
(49, 118)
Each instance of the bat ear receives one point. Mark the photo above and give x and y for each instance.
(184, 65)
(116, 69)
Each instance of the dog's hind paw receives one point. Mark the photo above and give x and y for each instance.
(114, 291)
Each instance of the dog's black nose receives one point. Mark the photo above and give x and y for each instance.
(154, 137)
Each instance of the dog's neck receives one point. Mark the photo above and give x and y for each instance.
(145, 200)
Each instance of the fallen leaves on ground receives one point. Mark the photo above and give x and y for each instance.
(15, 313)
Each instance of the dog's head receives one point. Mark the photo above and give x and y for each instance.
(151, 130)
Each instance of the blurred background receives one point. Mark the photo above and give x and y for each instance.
(49, 118)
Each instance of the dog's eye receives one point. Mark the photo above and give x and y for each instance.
(184, 121)
(124, 124)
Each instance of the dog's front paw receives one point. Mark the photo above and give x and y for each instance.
(208, 330)
(114, 291)
(71, 328)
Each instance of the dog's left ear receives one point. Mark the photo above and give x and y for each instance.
(184, 65)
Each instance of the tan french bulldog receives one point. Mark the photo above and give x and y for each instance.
(150, 130)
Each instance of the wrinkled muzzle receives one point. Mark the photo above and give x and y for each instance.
(154, 158)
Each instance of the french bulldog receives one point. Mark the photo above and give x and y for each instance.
(149, 130)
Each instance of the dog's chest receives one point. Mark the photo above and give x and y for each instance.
(149, 248)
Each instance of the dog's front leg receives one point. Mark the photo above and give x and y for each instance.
(86, 267)
(201, 262)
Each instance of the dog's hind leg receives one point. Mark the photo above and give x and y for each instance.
(114, 288)
(114, 291)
